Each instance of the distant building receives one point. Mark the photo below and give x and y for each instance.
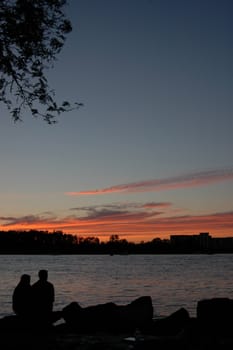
(223, 244)
(194, 243)
(205, 241)
(202, 243)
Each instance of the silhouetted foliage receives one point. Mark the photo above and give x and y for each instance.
(44, 242)
(32, 34)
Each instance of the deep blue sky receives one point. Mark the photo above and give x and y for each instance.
(156, 80)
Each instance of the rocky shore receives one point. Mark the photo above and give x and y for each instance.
(93, 328)
(28, 340)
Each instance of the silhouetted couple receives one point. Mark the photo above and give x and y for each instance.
(34, 302)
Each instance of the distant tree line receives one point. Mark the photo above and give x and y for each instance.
(57, 242)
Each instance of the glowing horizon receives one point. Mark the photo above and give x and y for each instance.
(131, 226)
(136, 221)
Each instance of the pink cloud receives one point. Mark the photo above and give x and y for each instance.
(152, 205)
(196, 179)
(136, 224)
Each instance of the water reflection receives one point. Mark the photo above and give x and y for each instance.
(173, 281)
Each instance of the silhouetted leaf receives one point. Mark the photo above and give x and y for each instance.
(32, 34)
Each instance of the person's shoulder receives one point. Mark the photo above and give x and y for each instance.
(35, 284)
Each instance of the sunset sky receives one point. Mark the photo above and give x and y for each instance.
(150, 153)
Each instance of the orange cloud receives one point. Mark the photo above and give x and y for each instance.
(134, 225)
(183, 181)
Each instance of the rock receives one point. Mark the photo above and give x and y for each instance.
(172, 324)
(109, 316)
(215, 315)
(18, 323)
(137, 314)
(11, 323)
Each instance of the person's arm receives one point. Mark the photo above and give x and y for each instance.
(53, 293)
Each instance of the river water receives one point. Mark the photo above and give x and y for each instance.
(172, 281)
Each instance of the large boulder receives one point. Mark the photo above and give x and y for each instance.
(18, 323)
(109, 316)
(172, 324)
(215, 314)
(12, 322)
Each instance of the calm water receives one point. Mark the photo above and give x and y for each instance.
(173, 281)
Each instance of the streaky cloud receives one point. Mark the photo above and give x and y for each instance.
(195, 179)
(27, 220)
(128, 223)
(121, 206)
(152, 205)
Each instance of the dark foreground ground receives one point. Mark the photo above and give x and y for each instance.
(93, 328)
(53, 340)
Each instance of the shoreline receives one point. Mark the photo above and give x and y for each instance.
(190, 337)
(68, 340)
(129, 327)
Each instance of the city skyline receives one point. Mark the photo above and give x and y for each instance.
(150, 152)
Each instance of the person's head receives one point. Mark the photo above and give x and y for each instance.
(25, 279)
(43, 275)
